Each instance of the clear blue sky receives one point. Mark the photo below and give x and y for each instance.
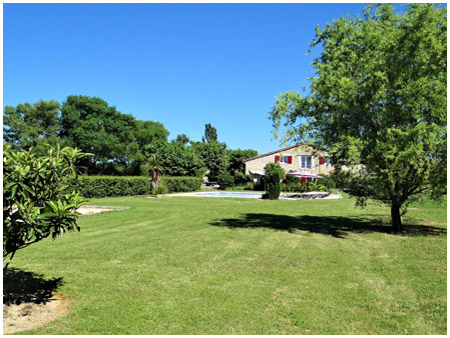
(183, 65)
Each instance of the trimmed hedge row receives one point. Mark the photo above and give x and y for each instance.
(110, 186)
(181, 184)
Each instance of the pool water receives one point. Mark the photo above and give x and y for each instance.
(228, 194)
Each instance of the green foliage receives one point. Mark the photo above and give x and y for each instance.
(32, 125)
(161, 190)
(111, 186)
(146, 132)
(236, 158)
(273, 176)
(210, 134)
(315, 186)
(341, 179)
(214, 158)
(177, 158)
(249, 186)
(144, 169)
(241, 178)
(182, 138)
(90, 124)
(328, 183)
(181, 184)
(116, 139)
(293, 187)
(225, 180)
(379, 98)
(35, 202)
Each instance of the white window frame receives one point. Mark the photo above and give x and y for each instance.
(284, 159)
(304, 165)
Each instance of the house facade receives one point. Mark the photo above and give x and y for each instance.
(293, 158)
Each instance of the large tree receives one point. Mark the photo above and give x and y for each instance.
(378, 98)
(236, 159)
(212, 152)
(90, 124)
(147, 132)
(31, 125)
(177, 158)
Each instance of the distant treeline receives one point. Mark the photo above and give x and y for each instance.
(121, 144)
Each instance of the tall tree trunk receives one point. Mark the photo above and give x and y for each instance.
(396, 218)
(155, 178)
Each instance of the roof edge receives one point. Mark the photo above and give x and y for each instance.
(273, 152)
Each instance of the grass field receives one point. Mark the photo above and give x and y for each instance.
(187, 265)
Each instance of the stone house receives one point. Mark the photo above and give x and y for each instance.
(293, 158)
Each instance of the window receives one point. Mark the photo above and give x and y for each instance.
(283, 159)
(305, 162)
(286, 159)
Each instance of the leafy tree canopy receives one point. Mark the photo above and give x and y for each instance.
(183, 138)
(236, 158)
(90, 124)
(378, 98)
(176, 158)
(31, 125)
(210, 134)
(148, 131)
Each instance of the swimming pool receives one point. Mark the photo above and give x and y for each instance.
(223, 194)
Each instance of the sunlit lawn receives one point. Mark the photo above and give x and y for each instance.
(187, 265)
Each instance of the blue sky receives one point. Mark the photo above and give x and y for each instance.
(184, 65)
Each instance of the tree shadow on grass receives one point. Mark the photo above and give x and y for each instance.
(338, 227)
(21, 286)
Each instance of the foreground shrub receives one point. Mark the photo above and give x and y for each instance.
(35, 202)
(274, 174)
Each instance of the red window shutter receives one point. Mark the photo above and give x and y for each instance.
(303, 180)
(277, 159)
(321, 160)
(289, 159)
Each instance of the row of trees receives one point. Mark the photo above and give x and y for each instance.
(184, 157)
(120, 144)
(87, 123)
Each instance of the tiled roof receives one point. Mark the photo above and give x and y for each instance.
(272, 152)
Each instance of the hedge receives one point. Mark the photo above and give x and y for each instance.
(110, 186)
(181, 184)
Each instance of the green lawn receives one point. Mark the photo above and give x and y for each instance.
(187, 265)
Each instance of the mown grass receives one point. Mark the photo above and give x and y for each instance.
(189, 265)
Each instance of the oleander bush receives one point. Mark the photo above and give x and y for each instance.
(35, 203)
